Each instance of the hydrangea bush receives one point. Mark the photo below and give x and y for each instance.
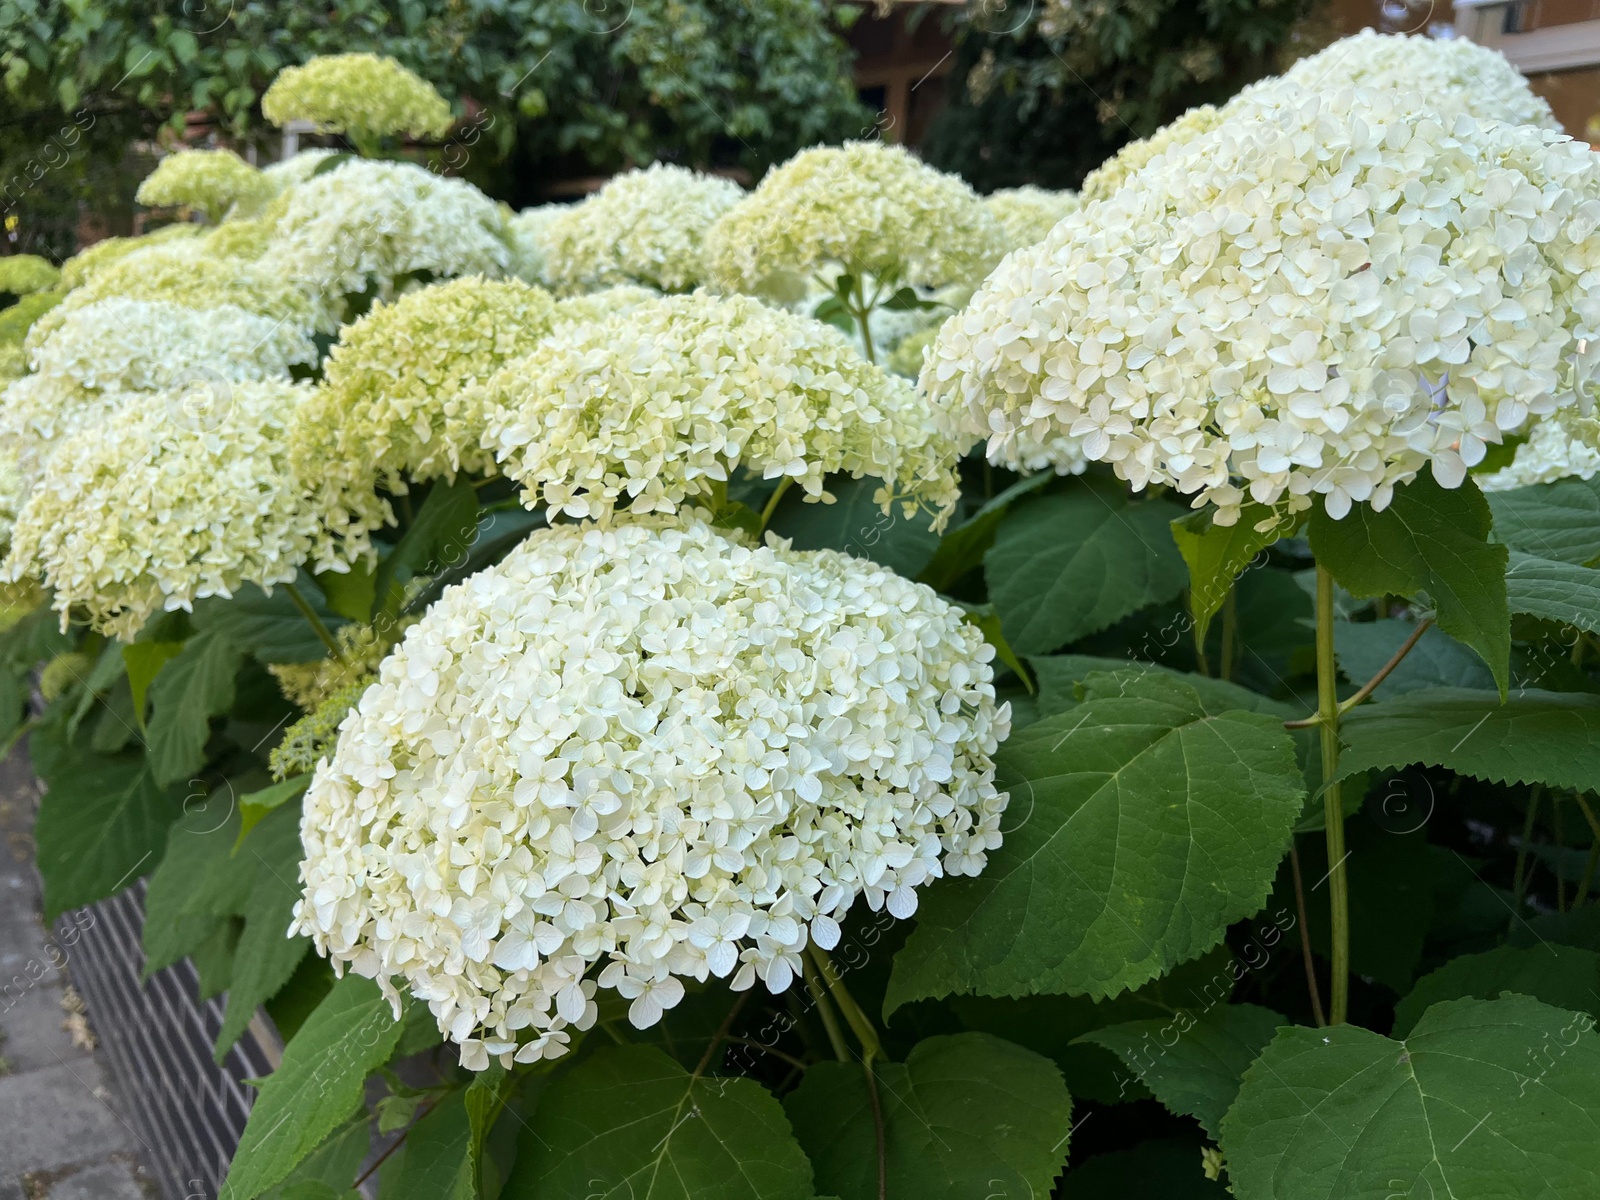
(1151, 751)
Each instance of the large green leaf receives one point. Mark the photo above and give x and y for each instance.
(441, 536)
(1072, 563)
(102, 824)
(1554, 591)
(1216, 554)
(1483, 1099)
(1429, 540)
(144, 661)
(1558, 520)
(631, 1124)
(269, 627)
(1437, 660)
(962, 548)
(1060, 674)
(1141, 824)
(1534, 737)
(966, 1115)
(197, 841)
(1193, 1061)
(267, 956)
(436, 1155)
(317, 1086)
(194, 687)
(1561, 976)
(856, 525)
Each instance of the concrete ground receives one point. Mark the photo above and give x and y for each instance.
(61, 1136)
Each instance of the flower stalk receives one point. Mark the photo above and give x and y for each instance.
(1328, 711)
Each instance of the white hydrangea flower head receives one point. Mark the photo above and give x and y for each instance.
(1027, 214)
(167, 502)
(13, 490)
(212, 181)
(528, 231)
(866, 206)
(1116, 170)
(24, 274)
(1322, 299)
(363, 95)
(1565, 445)
(1451, 72)
(93, 258)
(645, 227)
(649, 747)
(654, 406)
(380, 225)
(396, 402)
(245, 239)
(291, 172)
(598, 305)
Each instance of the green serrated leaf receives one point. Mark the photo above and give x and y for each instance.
(253, 806)
(195, 686)
(269, 627)
(198, 840)
(441, 536)
(102, 824)
(1193, 1061)
(1554, 591)
(318, 1085)
(267, 956)
(1217, 554)
(1534, 737)
(1060, 674)
(1483, 1098)
(1429, 540)
(1559, 520)
(1141, 824)
(1072, 563)
(629, 1121)
(435, 1154)
(1560, 976)
(144, 662)
(962, 548)
(966, 1115)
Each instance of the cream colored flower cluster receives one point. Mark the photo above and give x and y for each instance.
(212, 181)
(866, 206)
(1322, 298)
(645, 227)
(395, 403)
(1451, 72)
(1110, 175)
(598, 306)
(380, 225)
(651, 747)
(24, 274)
(161, 505)
(1027, 214)
(363, 95)
(1563, 446)
(89, 261)
(653, 407)
(529, 233)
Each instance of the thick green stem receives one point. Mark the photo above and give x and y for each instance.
(772, 501)
(862, 310)
(310, 614)
(1332, 804)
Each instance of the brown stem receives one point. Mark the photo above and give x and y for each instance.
(1372, 684)
(1305, 935)
(395, 1145)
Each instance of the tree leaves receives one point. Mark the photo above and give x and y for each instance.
(1560, 976)
(317, 1086)
(631, 1123)
(194, 687)
(1193, 1062)
(1141, 824)
(1534, 737)
(1429, 540)
(102, 823)
(965, 1115)
(1484, 1098)
(1070, 564)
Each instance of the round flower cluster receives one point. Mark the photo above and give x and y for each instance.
(241, 239)
(212, 181)
(1110, 175)
(381, 225)
(395, 401)
(642, 227)
(529, 233)
(1027, 214)
(597, 306)
(163, 504)
(89, 261)
(1321, 299)
(1563, 446)
(652, 747)
(656, 405)
(867, 206)
(362, 95)
(102, 352)
(24, 274)
(1453, 73)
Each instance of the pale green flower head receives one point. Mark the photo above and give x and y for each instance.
(212, 181)
(362, 95)
(646, 227)
(86, 262)
(24, 274)
(652, 407)
(528, 232)
(1028, 214)
(866, 206)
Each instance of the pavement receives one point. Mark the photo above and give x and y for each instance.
(61, 1136)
